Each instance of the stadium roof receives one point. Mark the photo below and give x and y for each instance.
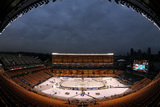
(83, 54)
(12, 9)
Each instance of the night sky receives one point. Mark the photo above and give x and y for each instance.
(83, 26)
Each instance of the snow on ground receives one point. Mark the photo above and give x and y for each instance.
(53, 86)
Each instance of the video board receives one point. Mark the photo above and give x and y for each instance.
(140, 65)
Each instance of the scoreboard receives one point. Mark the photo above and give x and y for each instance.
(140, 65)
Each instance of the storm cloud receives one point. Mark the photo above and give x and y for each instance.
(85, 26)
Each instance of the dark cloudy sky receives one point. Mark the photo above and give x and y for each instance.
(85, 26)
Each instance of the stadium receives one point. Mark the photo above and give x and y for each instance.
(75, 79)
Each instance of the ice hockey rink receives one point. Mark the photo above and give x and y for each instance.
(82, 88)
